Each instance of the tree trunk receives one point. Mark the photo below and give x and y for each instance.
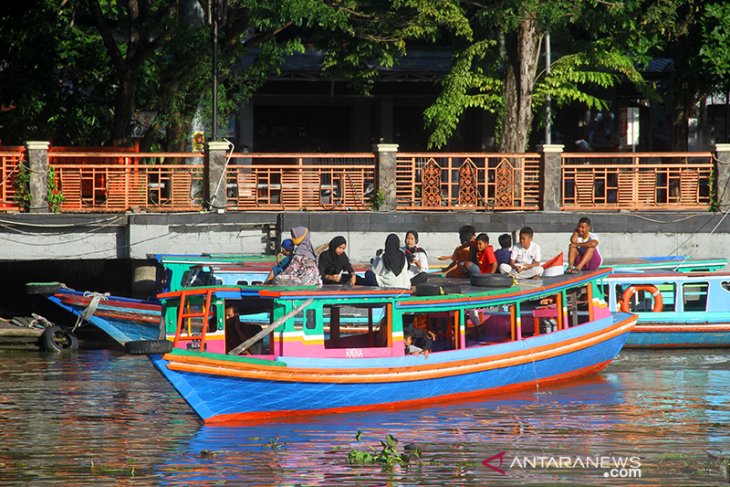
(124, 107)
(522, 53)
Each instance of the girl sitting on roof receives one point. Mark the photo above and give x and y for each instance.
(302, 270)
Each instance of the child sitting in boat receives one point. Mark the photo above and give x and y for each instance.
(417, 341)
(583, 252)
(486, 261)
(505, 250)
(282, 259)
(525, 258)
(461, 257)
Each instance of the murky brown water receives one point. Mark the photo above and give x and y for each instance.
(98, 417)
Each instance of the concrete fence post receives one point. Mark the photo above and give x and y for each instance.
(552, 176)
(385, 169)
(215, 175)
(722, 175)
(38, 164)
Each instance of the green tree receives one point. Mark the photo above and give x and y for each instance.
(49, 73)
(499, 67)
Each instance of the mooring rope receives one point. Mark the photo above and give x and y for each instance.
(89, 311)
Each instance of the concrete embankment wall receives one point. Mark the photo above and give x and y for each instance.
(103, 252)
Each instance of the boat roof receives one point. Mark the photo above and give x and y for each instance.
(663, 262)
(664, 274)
(460, 291)
(210, 258)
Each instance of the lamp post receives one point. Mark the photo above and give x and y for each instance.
(214, 68)
(548, 122)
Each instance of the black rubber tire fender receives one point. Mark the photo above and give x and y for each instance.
(42, 287)
(426, 289)
(491, 280)
(147, 347)
(58, 339)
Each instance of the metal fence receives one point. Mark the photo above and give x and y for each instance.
(428, 181)
(637, 181)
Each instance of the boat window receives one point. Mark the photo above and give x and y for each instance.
(726, 285)
(641, 299)
(443, 327)
(355, 326)
(195, 277)
(311, 319)
(694, 295)
(242, 323)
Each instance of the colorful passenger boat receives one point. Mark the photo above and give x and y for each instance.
(674, 309)
(128, 319)
(531, 334)
(681, 263)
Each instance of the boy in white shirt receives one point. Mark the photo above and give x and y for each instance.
(525, 259)
(583, 252)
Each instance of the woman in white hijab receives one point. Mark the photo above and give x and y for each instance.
(303, 270)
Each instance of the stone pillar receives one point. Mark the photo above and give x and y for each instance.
(722, 176)
(215, 176)
(552, 177)
(385, 172)
(38, 164)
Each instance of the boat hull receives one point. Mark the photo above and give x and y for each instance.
(123, 319)
(679, 335)
(220, 390)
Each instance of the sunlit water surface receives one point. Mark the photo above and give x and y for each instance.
(98, 417)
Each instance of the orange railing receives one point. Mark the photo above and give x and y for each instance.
(428, 181)
(300, 181)
(637, 181)
(120, 181)
(117, 180)
(10, 159)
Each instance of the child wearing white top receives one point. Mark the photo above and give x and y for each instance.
(525, 258)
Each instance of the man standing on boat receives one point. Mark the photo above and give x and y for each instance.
(583, 251)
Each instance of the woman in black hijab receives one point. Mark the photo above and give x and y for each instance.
(334, 265)
(391, 268)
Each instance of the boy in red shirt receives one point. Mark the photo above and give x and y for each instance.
(486, 261)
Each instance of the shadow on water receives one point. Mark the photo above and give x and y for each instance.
(102, 418)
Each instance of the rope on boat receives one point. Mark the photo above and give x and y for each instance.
(89, 311)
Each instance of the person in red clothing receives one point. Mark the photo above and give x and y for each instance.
(486, 261)
(461, 258)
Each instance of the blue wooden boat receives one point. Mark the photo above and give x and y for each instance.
(681, 263)
(674, 309)
(532, 333)
(128, 319)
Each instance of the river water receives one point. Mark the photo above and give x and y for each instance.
(98, 417)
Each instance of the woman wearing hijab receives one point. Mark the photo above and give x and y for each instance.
(390, 269)
(334, 265)
(302, 270)
(416, 257)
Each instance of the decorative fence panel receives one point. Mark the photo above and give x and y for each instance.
(637, 181)
(430, 181)
(300, 181)
(120, 181)
(10, 159)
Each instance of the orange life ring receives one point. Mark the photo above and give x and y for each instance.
(631, 290)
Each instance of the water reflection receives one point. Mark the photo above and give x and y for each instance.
(102, 418)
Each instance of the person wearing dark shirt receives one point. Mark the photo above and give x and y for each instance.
(503, 254)
(334, 265)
